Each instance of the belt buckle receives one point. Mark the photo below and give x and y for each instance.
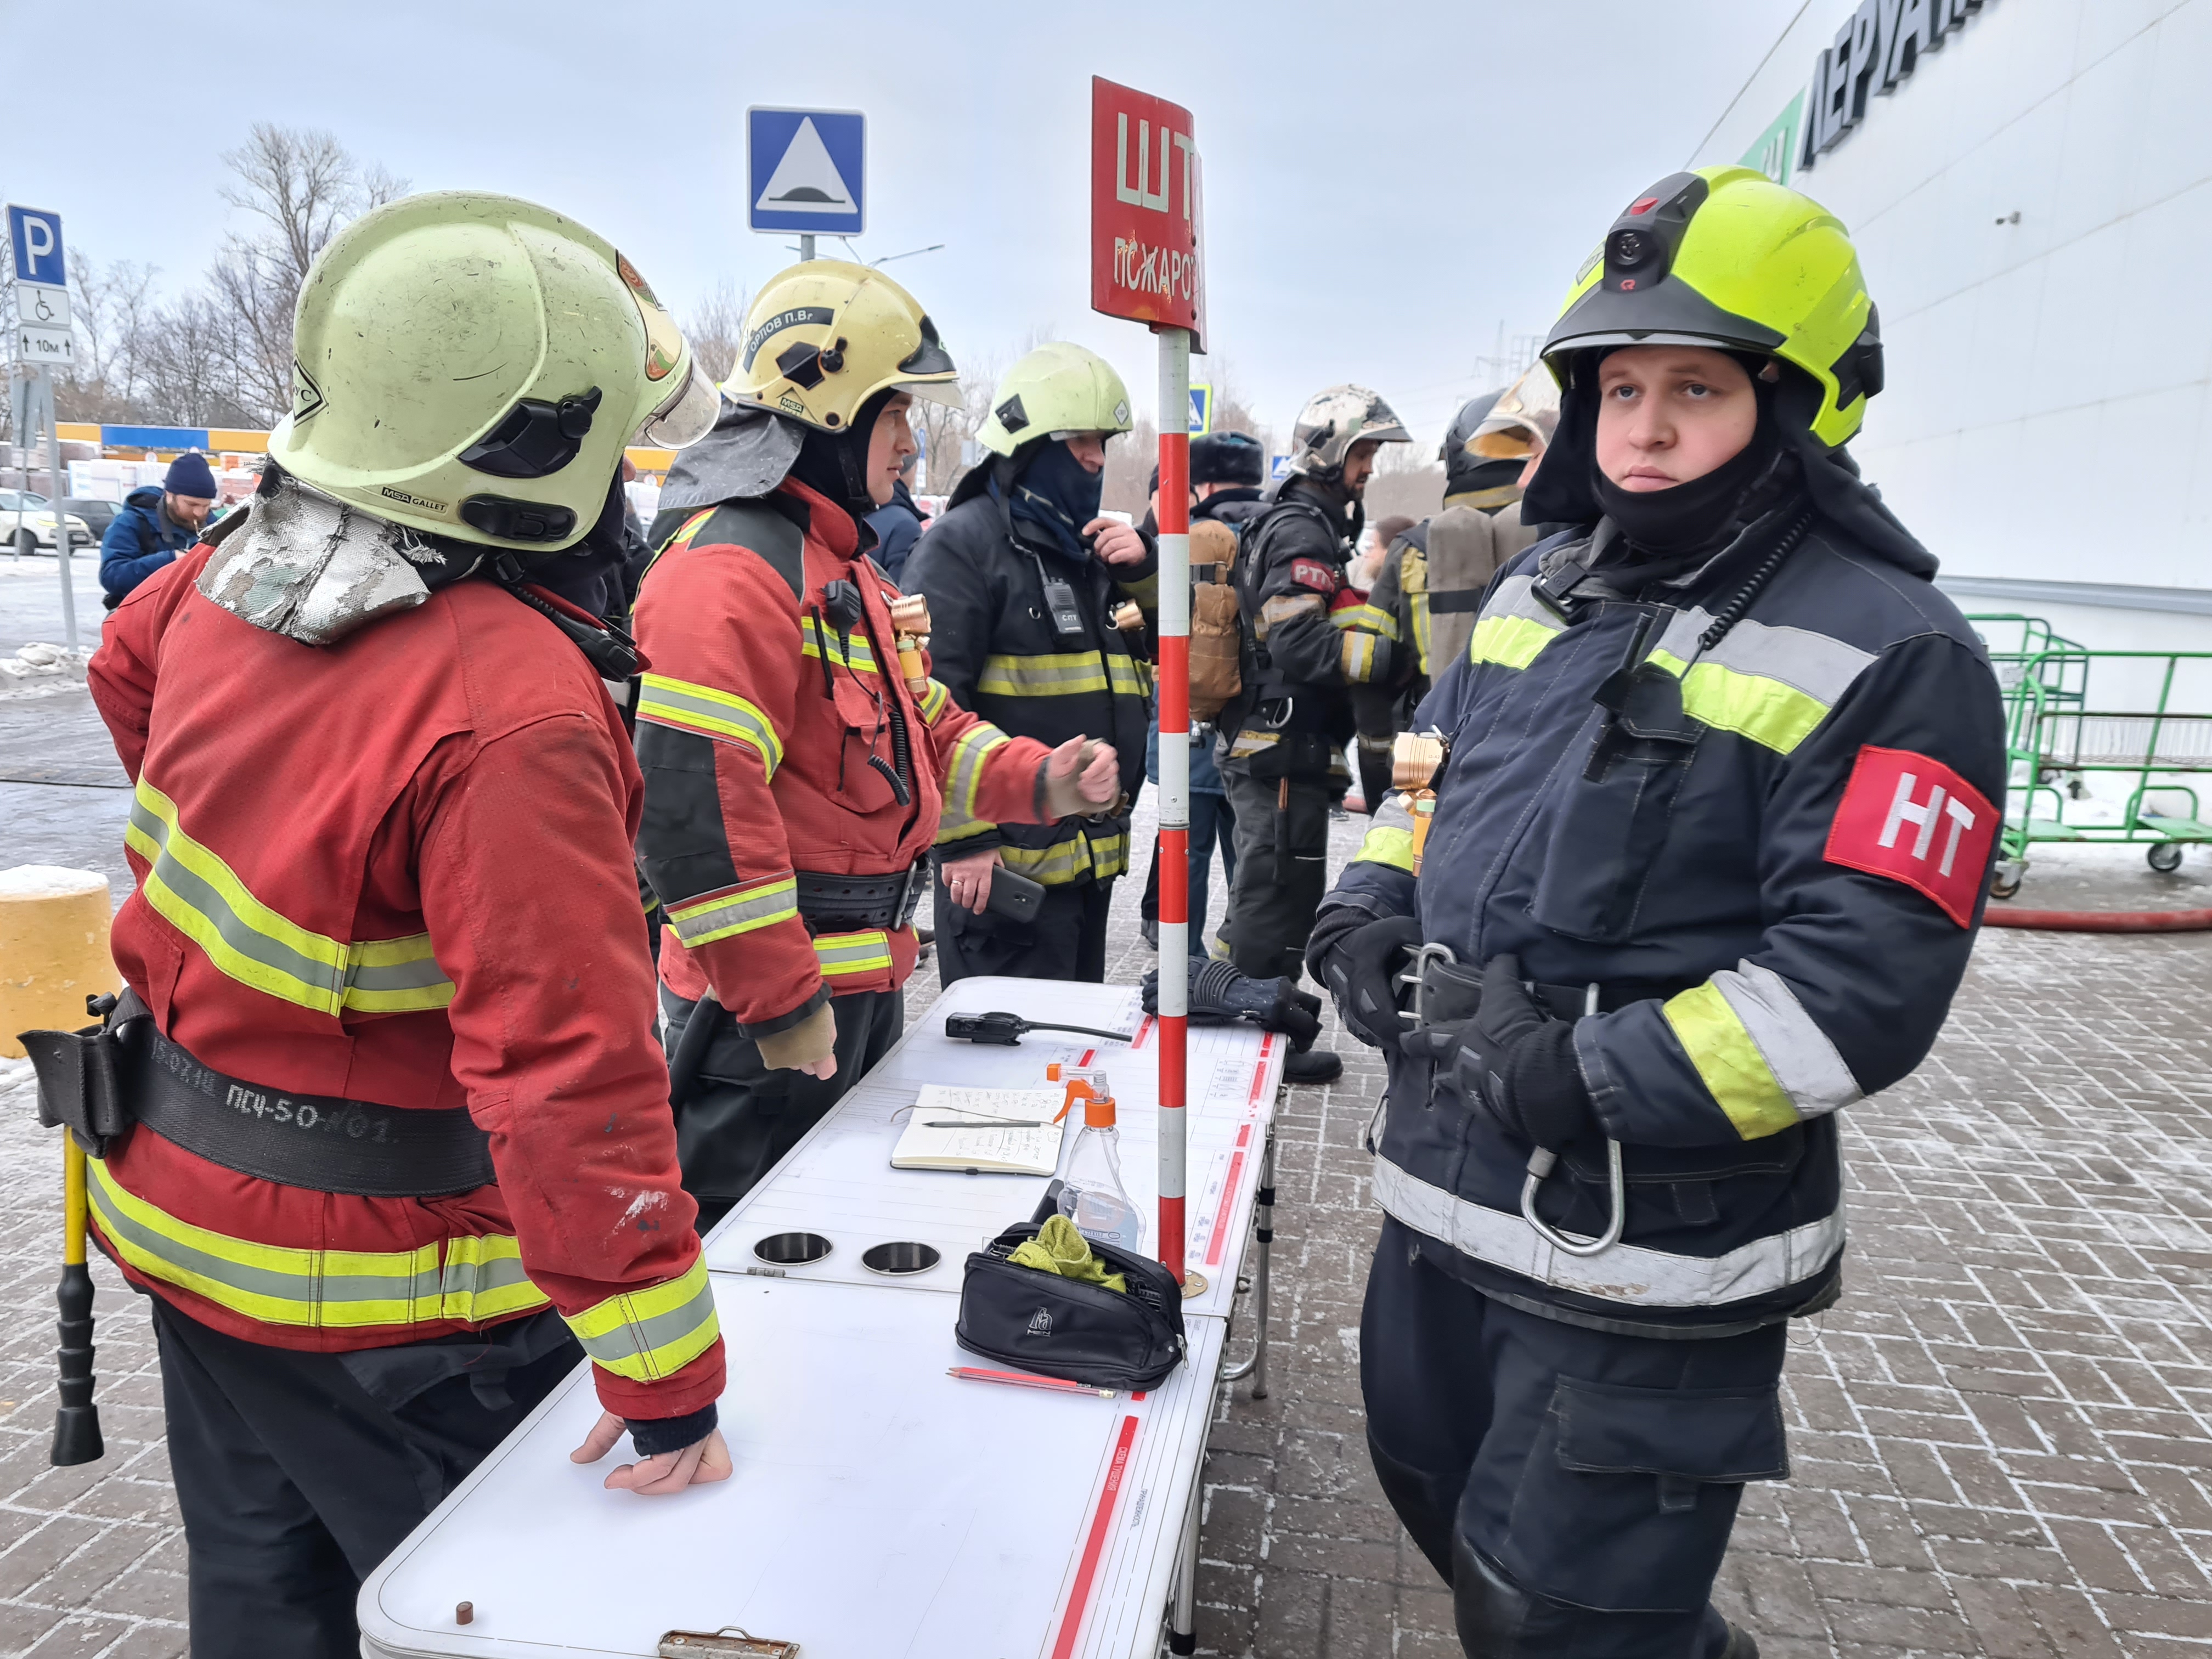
(1416, 970)
(910, 891)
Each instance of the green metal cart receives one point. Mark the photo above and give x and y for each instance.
(2072, 713)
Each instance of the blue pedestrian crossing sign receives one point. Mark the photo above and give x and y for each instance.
(1278, 468)
(806, 171)
(1201, 408)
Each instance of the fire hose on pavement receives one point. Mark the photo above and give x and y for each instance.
(2101, 921)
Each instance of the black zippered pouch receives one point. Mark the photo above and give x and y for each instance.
(1039, 1321)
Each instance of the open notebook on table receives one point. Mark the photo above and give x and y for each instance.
(994, 1131)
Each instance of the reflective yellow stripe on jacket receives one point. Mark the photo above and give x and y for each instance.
(932, 701)
(1514, 627)
(868, 952)
(1764, 1059)
(971, 749)
(1086, 854)
(734, 911)
(1413, 583)
(476, 1278)
(1368, 618)
(653, 1333)
(1062, 674)
(856, 653)
(711, 713)
(1772, 685)
(202, 898)
(1389, 838)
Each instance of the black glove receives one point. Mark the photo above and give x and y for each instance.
(1517, 1059)
(1360, 966)
(1219, 993)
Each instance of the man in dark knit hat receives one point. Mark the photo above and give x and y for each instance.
(155, 525)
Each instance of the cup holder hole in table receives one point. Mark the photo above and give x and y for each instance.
(903, 1257)
(792, 1249)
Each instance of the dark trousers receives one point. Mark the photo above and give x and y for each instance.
(298, 1473)
(1065, 940)
(1282, 868)
(1213, 823)
(1575, 1488)
(1379, 716)
(740, 1118)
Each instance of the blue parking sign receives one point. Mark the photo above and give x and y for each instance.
(36, 237)
(806, 171)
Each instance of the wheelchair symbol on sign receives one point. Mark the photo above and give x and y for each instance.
(46, 310)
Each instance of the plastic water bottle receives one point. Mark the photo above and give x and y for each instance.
(1091, 1195)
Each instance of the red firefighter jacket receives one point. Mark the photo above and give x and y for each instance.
(396, 869)
(767, 738)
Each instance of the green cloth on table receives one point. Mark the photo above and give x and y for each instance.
(1059, 1248)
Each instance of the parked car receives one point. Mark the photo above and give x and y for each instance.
(26, 523)
(96, 514)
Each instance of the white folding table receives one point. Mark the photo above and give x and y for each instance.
(880, 1509)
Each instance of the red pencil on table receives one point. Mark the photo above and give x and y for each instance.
(1023, 1380)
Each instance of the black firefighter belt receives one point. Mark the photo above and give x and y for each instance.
(851, 904)
(99, 1082)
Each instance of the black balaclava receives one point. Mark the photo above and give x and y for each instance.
(835, 464)
(592, 573)
(1052, 495)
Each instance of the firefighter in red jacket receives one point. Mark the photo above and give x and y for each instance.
(793, 776)
(402, 1138)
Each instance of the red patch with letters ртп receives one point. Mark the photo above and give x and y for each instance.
(1319, 576)
(1915, 820)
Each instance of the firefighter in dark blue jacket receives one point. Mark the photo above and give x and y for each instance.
(1707, 855)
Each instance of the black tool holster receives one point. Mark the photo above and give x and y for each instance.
(84, 1075)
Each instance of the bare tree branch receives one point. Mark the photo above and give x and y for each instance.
(303, 186)
(716, 329)
(111, 310)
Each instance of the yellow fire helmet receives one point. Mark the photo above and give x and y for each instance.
(825, 336)
(472, 366)
(1057, 390)
(1724, 257)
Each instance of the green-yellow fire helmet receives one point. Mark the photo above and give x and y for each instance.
(472, 366)
(825, 336)
(1725, 257)
(1054, 391)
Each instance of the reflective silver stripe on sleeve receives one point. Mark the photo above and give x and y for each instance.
(1820, 666)
(1630, 1275)
(1796, 1050)
(1396, 814)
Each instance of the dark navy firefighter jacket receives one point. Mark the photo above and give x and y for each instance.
(1773, 864)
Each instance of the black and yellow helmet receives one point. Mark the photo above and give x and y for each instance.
(825, 336)
(1725, 257)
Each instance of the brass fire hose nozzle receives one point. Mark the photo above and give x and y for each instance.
(910, 613)
(1416, 757)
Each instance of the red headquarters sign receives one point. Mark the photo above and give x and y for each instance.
(1147, 220)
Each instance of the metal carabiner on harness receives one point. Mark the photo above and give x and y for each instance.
(1544, 1160)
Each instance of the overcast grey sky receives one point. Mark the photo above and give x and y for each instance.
(1386, 184)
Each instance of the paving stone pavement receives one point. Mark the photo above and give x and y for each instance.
(2001, 1437)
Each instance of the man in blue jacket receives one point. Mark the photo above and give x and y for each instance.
(155, 525)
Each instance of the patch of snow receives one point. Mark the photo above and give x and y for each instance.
(37, 881)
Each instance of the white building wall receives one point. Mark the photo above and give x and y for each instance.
(2048, 418)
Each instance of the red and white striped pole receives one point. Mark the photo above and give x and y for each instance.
(1176, 919)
